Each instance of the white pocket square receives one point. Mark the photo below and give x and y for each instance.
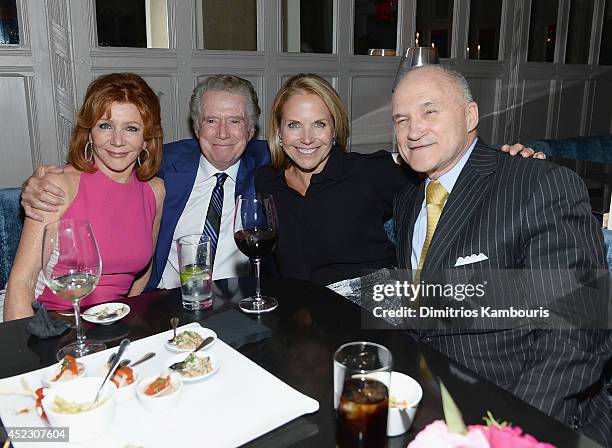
(462, 261)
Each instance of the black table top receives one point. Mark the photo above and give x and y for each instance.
(310, 323)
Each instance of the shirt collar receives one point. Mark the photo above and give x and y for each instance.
(449, 179)
(209, 171)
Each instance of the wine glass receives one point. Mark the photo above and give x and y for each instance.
(71, 268)
(255, 233)
(415, 57)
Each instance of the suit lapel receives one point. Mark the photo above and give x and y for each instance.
(467, 194)
(179, 182)
(244, 178)
(418, 201)
(405, 213)
(255, 155)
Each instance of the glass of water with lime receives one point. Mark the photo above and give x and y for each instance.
(195, 271)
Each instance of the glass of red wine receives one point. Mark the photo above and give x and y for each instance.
(255, 233)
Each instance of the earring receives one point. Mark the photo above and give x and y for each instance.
(138, 159)
(88, 151)
(334, 142)
(280, 141)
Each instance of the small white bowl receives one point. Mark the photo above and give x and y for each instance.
(191, 379)
(126, 393)
(403, 388)
(203, 332)
(86, 425)
(89, 314)
(53, 370)
(163, 402)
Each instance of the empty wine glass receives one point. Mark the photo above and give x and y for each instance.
(71, 268)
(415, 57)
(255, 233)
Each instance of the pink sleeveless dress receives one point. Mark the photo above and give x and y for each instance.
(121, 216)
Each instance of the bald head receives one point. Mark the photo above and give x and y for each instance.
(456, 79)
(435, 119)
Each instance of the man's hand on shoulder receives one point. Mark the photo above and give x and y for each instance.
(38, 193)
(524, 151)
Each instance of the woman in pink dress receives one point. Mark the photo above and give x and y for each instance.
(114, 153)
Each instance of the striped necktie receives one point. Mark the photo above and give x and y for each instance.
(436, 198)
(212, 225)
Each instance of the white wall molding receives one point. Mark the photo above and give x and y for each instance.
(60, 40)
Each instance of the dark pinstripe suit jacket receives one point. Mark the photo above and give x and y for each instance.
(522, 214)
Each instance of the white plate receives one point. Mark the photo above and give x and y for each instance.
(105, 308)
(204, 332)
(191, 379)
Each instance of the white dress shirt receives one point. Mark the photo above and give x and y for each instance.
(448, 181)
(229, 261)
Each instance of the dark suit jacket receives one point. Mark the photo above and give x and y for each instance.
(523, 214)
(179, 169)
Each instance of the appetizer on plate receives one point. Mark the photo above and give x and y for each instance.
(67, 369)
(70, 405)
(161, 384)
(187, 340)
(106, 313)
(123, 376)
(196, 366)
(62, 406)
(192, 367)
(159, 393)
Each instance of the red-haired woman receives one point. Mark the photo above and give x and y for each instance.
(114, 153)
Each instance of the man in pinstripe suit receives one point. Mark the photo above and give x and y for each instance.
(518, 213)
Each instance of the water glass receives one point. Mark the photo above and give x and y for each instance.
(195, 271)
(362, 374)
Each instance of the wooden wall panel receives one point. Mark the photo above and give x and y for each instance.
(571, 96)
(534, 111)
(484, 93)
(16, 147)
(370, 113)
(601, 121)
(167, 91)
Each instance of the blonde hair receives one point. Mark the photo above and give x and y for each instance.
(301, 84)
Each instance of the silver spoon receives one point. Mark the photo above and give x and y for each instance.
(127, 363)
(181, 364)
(174, 322)
(114, 365)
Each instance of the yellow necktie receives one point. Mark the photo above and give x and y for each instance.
(436, 198)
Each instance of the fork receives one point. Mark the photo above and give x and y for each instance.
(174, 321)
